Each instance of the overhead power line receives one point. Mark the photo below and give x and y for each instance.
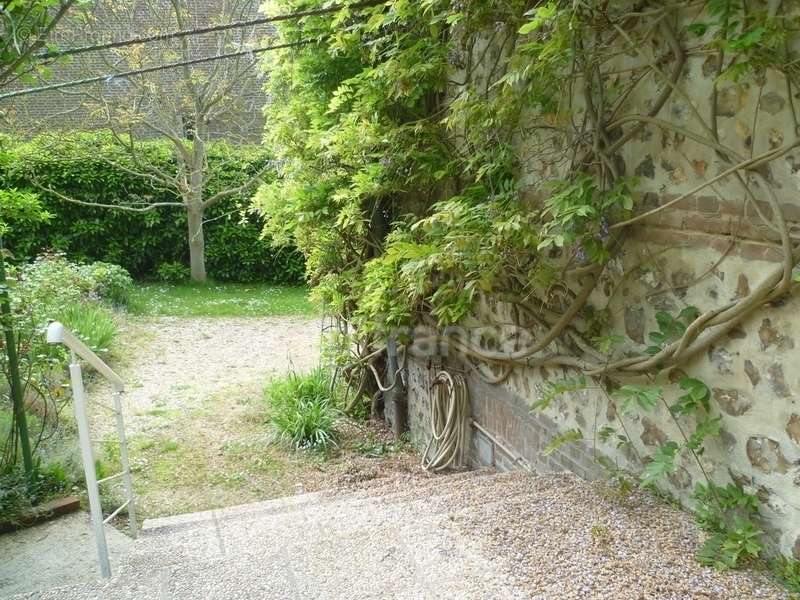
(210, 29)
(125, 74)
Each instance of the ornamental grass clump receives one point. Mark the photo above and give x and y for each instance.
(303, 410)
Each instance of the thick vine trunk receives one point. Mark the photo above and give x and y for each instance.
(197, 244)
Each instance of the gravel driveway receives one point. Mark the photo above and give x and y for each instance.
(173, 364)
(195, 418)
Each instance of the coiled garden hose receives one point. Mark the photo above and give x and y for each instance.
(449, 423)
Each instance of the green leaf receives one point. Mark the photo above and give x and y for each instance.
(689, 314)
(556, 388)
(747, 40)
(661, 465)
(698, 29)
(704, 429)
(605, 343)
(698, 396)
(644, 397)
(571, 435)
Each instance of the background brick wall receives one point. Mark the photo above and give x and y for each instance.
(71, 109)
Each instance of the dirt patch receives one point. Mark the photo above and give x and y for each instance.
(197, 423)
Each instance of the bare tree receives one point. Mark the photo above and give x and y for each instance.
(189, 106)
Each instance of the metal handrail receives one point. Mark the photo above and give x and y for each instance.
(58, 334)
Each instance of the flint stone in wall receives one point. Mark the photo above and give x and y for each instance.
(681, 479)
(752, 372)
(652, 435)
(772, 103)
(634, 323)
(710, 66)
(699, 167)
(793, 429)
(721, 359)
(742, 286)
(646, 168)
(765, 454)
(737, 333)
(770, 336)
(728, 440)
(730, 100)
(777, 381)
(681, 280)
(732, 401)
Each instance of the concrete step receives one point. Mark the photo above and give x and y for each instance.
(207, 535)
(363, 567)
(392, 540)
(393, 487)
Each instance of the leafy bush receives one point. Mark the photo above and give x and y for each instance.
(110, 282)
(172, 272)
(19, 494)
(74, 165)
(728, 514)
(787, 570)
(52, 282)
(53, 288)
(303, 410)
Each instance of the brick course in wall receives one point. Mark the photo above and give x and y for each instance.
(508, 420)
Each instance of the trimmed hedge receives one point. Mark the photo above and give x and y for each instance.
(140, 242)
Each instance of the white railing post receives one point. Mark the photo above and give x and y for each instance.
(58, 334)
(123, 458)
(96, 508)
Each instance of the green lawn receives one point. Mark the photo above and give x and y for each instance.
(220, 300)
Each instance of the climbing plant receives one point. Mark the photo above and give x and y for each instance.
(405, 133)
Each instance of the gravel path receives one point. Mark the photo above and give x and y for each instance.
(194, 410)
(561, 537)
(467, 536)
(174, 364)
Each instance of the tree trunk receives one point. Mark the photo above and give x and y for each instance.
(197, 244)
(19, 420)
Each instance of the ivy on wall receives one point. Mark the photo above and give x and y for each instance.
(400, 135)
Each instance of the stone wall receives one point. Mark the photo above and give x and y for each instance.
(713, 248)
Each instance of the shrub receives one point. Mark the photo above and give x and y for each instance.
(303, 410)
(53, 288)
(19, 494)
(74, 165)
(92, 323)
(110, 282)
(50, 283)
(787, 570)
(728, 514)
(172, 272)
